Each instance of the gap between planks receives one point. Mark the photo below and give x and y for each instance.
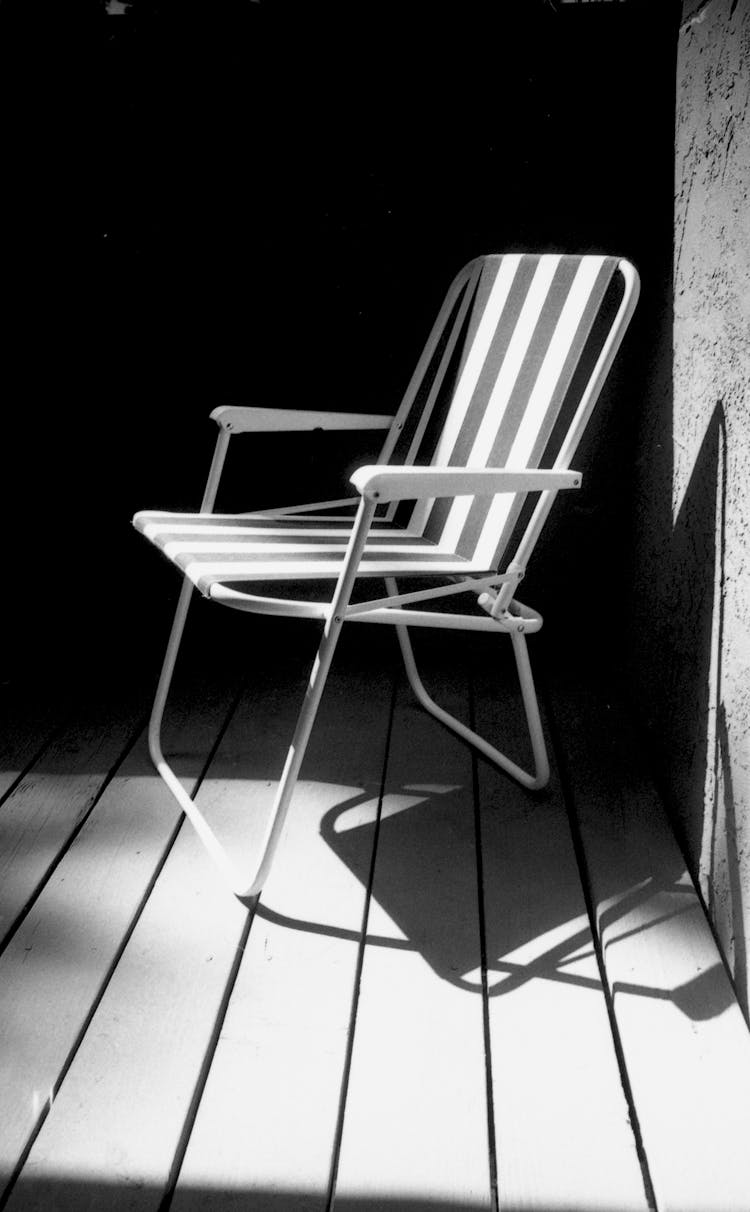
(121, 1112)
(59, 961)
(31, 715)
(684, 1041)
(46, 808)
(285, 1036)
(415, 1125)
(563, 1137)
(560, 965)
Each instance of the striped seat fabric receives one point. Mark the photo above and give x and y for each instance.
(498, 383)
(226, 548)
(487, 392)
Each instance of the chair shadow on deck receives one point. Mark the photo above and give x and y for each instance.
(427, 872)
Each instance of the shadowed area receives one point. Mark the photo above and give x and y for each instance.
(67, 1192)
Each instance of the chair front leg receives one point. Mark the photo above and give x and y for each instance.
(244, 886)
(183, 604)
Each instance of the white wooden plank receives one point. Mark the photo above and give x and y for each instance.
(54, 966)
(47, 805)
(121, 1112)
(266, 1126)
(29, 714)
(415, 1125)
(685, 1042)
(563, 1134)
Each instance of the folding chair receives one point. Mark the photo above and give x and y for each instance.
(470, 468)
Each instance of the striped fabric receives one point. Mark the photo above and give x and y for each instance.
(211, 548)
(529, 321)
(499, 366)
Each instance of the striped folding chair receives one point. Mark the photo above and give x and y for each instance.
(471, 465)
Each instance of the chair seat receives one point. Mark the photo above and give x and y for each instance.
(223, 548)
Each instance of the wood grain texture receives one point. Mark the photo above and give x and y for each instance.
(30, 713)
(685, 1043)
(44, 809)
(561, 1119)
(118, 1130)
(56, 964)
(121, 1114)
(122, 1108)
(266, 1127)
(415, 1124)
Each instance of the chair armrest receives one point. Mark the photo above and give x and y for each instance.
(237, 419)
(413, 483)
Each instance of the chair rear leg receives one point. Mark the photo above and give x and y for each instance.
(183, 603)
(163, 768)
(243, 885)
(167, 673)
(531, 707)
(533, 781)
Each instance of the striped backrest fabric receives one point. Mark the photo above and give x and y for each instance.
(499, 367)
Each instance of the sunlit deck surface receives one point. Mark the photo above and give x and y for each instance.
(415, 1015)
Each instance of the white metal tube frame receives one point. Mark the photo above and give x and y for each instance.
(374, 482)
(248, 885)
(540, 777)
(376, 485)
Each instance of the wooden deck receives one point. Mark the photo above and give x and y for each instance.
(415, 1016)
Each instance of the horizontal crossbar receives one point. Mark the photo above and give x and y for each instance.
(372, 613)
(476, 585)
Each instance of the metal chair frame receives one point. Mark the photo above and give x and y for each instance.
(377, 486)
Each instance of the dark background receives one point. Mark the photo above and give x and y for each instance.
(264, 203)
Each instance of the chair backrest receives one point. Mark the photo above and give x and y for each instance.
(508, 378)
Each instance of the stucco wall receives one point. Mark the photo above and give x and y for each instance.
(692, 570)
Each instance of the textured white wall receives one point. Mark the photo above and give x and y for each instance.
(692, 634)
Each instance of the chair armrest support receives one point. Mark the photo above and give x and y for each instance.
(414, 483)
(238, 419)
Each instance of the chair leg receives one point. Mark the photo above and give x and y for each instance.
(243, 886)
(531, 707)
(294, 759)
(248, 886)
(202, 827)
(167, 673)
(534, 781)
